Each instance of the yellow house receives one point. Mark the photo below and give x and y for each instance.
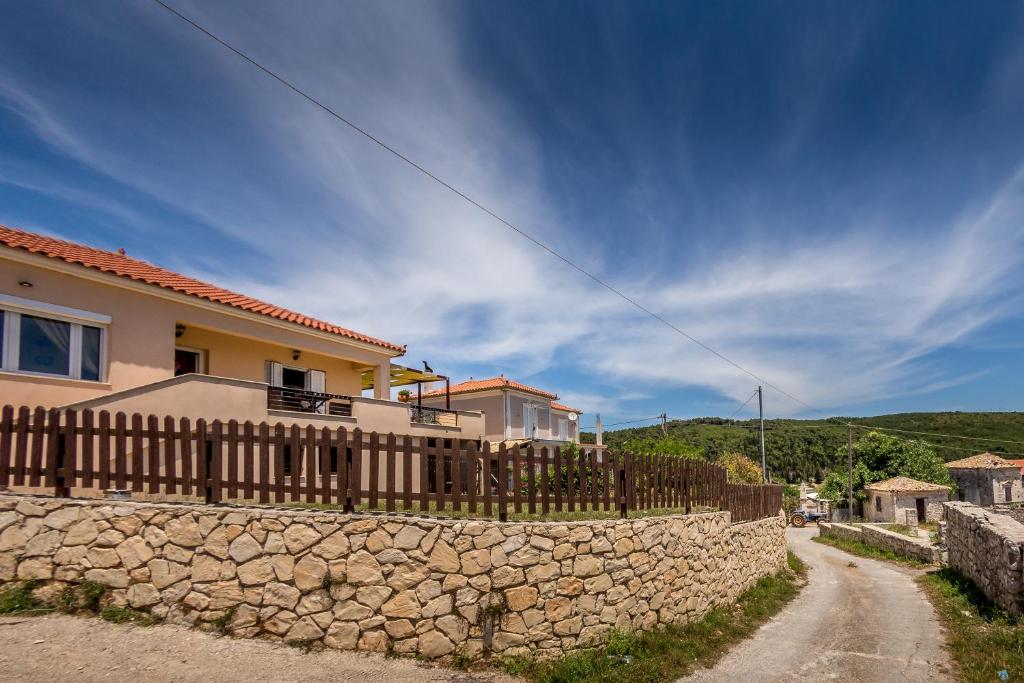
(515, 412)
(83, 327)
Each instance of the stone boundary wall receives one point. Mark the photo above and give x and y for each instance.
(880, 537)
(988, 548)
(405, 584)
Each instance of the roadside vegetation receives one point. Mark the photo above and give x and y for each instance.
(983, 639)
(86, 599)
(672, 651)
(809, 449)
(862, 549)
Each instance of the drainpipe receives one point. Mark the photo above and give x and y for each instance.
(508, 415)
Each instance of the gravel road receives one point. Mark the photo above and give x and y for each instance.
(868, 622)
(62, 648)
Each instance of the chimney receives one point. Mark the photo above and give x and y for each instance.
(599, 429)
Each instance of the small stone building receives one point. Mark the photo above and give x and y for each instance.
(986, 479)
(903, 500)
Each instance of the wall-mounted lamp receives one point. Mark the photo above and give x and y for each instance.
(179, 330)
(295, 354)
(25, 283)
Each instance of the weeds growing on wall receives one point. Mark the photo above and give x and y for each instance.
(84, 598)
(672, 651)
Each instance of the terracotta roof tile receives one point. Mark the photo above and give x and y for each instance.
(982, 461)
(905, 484)
(1018, 463)
(141, 271)
(493, 383)
(559, 406)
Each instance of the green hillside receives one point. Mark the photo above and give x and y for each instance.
(806, 449)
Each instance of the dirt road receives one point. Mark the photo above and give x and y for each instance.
(866, 623)
(62, 648)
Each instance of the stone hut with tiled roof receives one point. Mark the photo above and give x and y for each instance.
(987, 479)
(904, 501)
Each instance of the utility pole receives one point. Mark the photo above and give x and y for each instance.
(664, 424)
(849, 461)
(760, 411)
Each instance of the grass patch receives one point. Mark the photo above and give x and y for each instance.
(221, 622)
(983, 639)
(17, 598)
(864, 550)
(903, 529)
(672, 651)
(83, 597)
(123, 615)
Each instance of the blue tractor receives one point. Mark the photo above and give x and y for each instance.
(801, 517)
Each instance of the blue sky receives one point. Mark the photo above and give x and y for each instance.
(830, 193)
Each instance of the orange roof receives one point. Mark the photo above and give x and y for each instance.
(559, 406)
(501, 382)
(117, 263)
(1018, 463)
(982, 461)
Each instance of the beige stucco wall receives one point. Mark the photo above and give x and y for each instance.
(141, 335)
(211, 398)
(493, 405)
(232, 356)
(418, 586)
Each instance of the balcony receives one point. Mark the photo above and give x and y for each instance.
(303, 401)
(433, 416)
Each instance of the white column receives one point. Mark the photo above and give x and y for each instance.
(382, 381)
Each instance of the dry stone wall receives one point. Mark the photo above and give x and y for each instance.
(988, 548)
(391, 583)
(880, 537)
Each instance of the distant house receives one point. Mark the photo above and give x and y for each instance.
(904, 500)
(1019, 463)
(513, 412)
(986, 479)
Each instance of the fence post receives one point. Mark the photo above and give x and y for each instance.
(60, 488)
(207, 480)
(620, 467)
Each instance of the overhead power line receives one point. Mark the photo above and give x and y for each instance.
(948, 436)
(522, 233)
(742, 406)
(630, 422)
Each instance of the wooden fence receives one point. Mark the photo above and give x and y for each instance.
(227, 461)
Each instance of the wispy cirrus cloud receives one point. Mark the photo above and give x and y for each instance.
(327, 223)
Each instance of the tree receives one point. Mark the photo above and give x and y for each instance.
(663, 445)
(880, 456)
(741, 469)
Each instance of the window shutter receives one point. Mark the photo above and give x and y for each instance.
(274, 373)
(317, 381)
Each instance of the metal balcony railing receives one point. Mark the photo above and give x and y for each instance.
(433, 416)
(302, 401)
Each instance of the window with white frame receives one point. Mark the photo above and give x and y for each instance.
(43, 339)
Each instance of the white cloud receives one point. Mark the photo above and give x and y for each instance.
(352, 235)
